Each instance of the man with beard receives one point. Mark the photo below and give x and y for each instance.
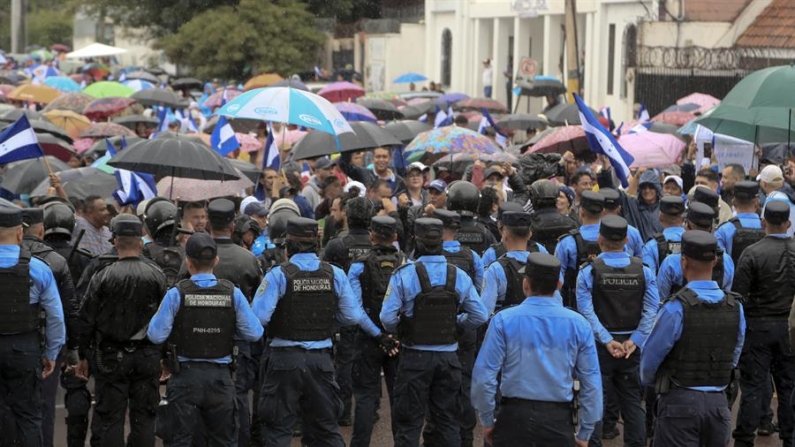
(94, 221)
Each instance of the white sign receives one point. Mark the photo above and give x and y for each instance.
(730, 150)
(526, 73)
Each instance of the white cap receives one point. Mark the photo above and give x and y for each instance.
(417, 165)
(244, 203)
(771, 174)
(675, 178)
(362, 189)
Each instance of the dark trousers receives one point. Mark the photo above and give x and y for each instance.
(612, 410)
(245, 375)
(687, 418)
(766, 351)
(49, 387)
(300, 380)
(533, 424)
(257, 353)
(199, 392)
(125, 379)
(20, 389)
(366, 376)
(427, 381)
(344, 351)
(77, 401)
(622, 377)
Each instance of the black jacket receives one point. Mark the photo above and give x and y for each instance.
(237, 265)
(765, 278)
(78, 262)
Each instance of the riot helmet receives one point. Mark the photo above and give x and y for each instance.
(280, 212)
(463, 197)
(159, 215)
(58, 219)
(543, 194)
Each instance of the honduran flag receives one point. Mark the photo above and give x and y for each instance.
(19, 142)
(602, 142)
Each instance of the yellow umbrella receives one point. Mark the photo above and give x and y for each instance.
(72, 123)
(34, 93)
(262, 80)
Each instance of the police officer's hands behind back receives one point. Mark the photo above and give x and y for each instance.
(616, 349)
(629, 347)
(48, 366)
(580, 443)
(388, 343)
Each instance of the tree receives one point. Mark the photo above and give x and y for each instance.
(254, 37)
(47, 27)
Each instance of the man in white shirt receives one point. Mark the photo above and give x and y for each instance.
(488, 74)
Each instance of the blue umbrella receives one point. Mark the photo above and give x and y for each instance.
(138, 84)
(450, 98)
(62, 83)
(409, 77)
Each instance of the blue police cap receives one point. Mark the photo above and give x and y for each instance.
(127, 225)
(428, 229)
(613, 228)
(201, 246)
(32, 216)
(612, 198)
(540, 265)
(10, 216)
(593, 202)
(701, 214)
(776, 212)
(508, 206)
(516, 219)
(672, 205)
(699, 245)
(221, 211)
(383, 226)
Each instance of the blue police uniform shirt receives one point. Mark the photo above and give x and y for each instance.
(667, 331)
(540, 347)
(248, 326)
(354, 277)
(44, 292)
(651, 257)
(495, 282)
(274, 286)
(651, 300)
(725, 233)
(455, 247)
(671, 276)
(634, 242)
(404, 286)
(566, 250)
(490, 255)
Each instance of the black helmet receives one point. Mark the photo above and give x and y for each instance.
(543, 193)
(281, 211)
(159, 215)
(463, 197)
(58, 219)
(244, 224)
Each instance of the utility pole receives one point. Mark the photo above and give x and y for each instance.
(19, 31)
(572, 50)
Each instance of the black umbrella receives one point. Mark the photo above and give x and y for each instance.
(187, 83)
(417, 110)
(155, 96)
(249, 170)
(522, 121)
(545, 87)
(41, 125)
(406, 130)
(15, 114)
(563, 114)
(177, 157)
(22, 176)
(99, 148)
(81, 183)
(368, 136)
(131, 121)
(383, 110)
(143, 76)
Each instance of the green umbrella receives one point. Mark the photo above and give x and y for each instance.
(107, 89)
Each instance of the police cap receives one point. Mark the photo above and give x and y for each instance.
(201, 246)
(127, 225)
(706, 196)
(699, 245)
(32, 216)
(221, 211)
(700, 214)
(541, 265)
(383, 226)
(301, 227)
(508, 206)
(776, 212)
(612, 198)
(746, 190)
(613, 228)
(428, 229)
(516, 219)
(10, 217)
(450, 219)
(593, 202)
(672, 205)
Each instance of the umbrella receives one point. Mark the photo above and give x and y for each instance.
(63, 84)
(682, 108)
(138, 84)
(5, 89)
(407, 130)
(82, 145)
(131, 121)
(103, 130)
(96, 70)
(143, 76)
(287, 105)
(460, 162)
(40, 125)
(656, 126)
(651, 149)
(60, 48)
(288, 137)
(241, 125)
(75, 102)
(355, 112)
(181, 157)
(5, 108)
(193, 190)
(367, 136)
(477, 104)
(12, 77)
(16, 114)
(248, 143)
(676, 118)
(545, 86)
(217, 98)
(41, 54)
(294, 83)
(99, 147)
(417, 110)
(562, 139)
(341, 91)
(101, 109)
(108, 89)
(95, 50)
(34, 93)
(382, 109)
(81, 183)
(55, 146)
(22, 176)
(159, 96)
(522, 121)
(263, 80)
(251, 172)
(186, 84)
(431, 145)
(563, 114)
(407, 78)
(450, 98)
(704, 101)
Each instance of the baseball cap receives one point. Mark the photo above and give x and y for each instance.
(771, 173)
(255, 208)
(676, 179)
(439, 185)
(417, 166)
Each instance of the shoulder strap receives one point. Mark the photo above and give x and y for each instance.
(451, 278)
(687, 296)
(659, 237)
(736, 222)
(532, 246)
(422, 276)
(732, 298)
(326, 268)
(289, 269)
(24, 256)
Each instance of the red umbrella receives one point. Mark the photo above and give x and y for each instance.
(568, 138)
(60, 48)
(477, 104)
(341, 91)
(677, 118)
(102, 108)
(104, 130)
(55, 147)
(217, 98)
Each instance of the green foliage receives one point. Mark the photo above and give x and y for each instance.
(254, 37)
(47, 27)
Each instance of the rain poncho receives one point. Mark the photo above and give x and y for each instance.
(644, 217)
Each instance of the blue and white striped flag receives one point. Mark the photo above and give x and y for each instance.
(602, 142)
(488, 121)
(443, 118)
(223, 139)
(134, 187)
(643, 114)
(19, 142)
(270, 158)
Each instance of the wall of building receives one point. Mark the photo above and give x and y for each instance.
(670, 34)
(387, 56)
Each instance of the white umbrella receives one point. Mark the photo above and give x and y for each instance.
(95, 50)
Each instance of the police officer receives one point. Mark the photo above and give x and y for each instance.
(611, 278)
(298, 303)
(613, 208)
(59, 223)
(669, 241)
(29, 289)
(463, 197)
(369, 276)
(538, 390)
(120, 300)
(280, 212)
(428, 301)
(670, 278)
(497, 250)
(744, 229)
(246, 232)
(548, 225)
(199, 319)
(691, 352)
(159, 218)
(577, 247)
(765, 279)
(457, 253)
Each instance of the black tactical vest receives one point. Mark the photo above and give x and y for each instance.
(379, 265)
(17, 315)
(514, 294)
(271, 258)
(205, 324)
(665, 248)
(435, 310)
(743, 238)
(169, 259)
(499, 248)
(618, 294)
(548, 228)
(463, 259)
(474, 237)
(356, 247)
(586, 250)
(306, 311)
(703, 354)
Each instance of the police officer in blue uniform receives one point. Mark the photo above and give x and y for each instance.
(199, 319)
(670, 278)
(618, 296)
(765, 279)
(429, 301)
(745, 229)
(575, 248)
(29, 289)
(298, 303)
(497, 250)
(613, 208)
(369, 277)
(691, 353)
(456, 253)
(540, 348)
(669, 241)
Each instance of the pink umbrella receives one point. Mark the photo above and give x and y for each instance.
(651, 149)
(341, 91)
(290, 137)
(415, 101)
(216, 98)
(193, 190)
(83, 144)
(678, 118)
(569, 138)
(355, 112)
(702, 99)
(248, 143)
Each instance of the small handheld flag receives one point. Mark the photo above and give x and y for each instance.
(643, 114)
(602, 142)
(19, 142)
(271, 157)
(223, 139)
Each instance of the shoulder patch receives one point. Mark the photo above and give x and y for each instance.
(261, 289)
